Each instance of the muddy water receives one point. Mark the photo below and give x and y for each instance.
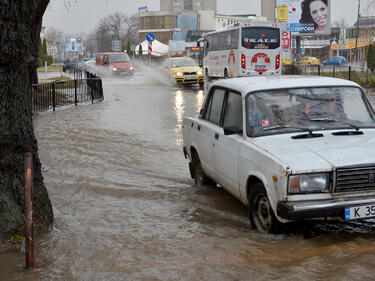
(126, 209)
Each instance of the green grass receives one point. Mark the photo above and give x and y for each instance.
(51, 68)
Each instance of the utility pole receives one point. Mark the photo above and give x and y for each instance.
(357, 31)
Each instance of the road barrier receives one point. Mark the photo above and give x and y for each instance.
(85, 87)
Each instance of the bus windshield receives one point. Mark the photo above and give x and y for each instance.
(119, 58)
(260, 38)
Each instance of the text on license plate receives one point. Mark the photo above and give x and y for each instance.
(359, 212)
(190, 78)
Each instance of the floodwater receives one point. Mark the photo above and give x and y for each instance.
(126, 208)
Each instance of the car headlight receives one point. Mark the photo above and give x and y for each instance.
(200, 72)
(179, 74)
(131, 68)
(309, 183)
(114, 69)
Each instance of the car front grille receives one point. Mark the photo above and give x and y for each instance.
(190, 73)
(355, 178)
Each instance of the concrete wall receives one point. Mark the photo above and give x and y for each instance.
(268, 9)
(206, 20)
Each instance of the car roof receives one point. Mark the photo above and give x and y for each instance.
(245, 85)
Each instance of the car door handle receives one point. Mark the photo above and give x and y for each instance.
(216, 136)
(199, 127)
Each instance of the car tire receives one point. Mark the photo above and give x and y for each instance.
(260, 211)
(200, 177)
(201, 84)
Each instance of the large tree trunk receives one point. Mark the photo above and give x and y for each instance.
(20, 24)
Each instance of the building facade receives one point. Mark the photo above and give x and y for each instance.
(167, 25)
(187, 5)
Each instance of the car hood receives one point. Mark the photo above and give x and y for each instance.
(186, 69)
(322, 153)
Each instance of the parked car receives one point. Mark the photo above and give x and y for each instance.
(286, 61)
(114, 63)
(70, 66)
(336, 60)
(184, 70)
(289, 147)
(310, 61)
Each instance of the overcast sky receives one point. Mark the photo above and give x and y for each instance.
(83, 15)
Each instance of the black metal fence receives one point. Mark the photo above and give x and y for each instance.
(85, 87)
(361, 75)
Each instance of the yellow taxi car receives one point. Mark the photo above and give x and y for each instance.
(286, 61)
(310, 61)
(184, 70)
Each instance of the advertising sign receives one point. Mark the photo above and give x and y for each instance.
(116, 45)
(305, 17)
(286, 40)
(73, 45)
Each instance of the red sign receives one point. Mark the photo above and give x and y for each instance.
(286, 40)
(260, 62)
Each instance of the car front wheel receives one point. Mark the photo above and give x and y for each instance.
(261, 214)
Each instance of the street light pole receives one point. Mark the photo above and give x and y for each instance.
(357, 32)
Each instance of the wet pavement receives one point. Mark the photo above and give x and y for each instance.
(126, 208)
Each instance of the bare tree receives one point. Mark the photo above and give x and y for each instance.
(117, 26)
(52, 34)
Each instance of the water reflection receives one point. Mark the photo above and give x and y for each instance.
(200, 100)
(179, 110)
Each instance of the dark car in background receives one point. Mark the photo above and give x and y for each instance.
(70, 66)
(336, 60)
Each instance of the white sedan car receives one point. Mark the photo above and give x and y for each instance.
(289, 147)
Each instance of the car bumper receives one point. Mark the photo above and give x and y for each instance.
(320, 209)
(189, 79)
(123, 72)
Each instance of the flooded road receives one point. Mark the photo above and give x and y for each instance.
(126, 208)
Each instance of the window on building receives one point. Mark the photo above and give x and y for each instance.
(198, 4)
(188, 5)
(176, 3)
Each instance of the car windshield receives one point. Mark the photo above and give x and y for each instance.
(119, 58)
(293, 110)
(183, 62)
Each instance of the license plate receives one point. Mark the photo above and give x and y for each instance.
(190, 78)
(359, 212)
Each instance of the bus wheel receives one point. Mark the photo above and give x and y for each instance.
(226, 76)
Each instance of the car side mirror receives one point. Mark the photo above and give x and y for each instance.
(232, 130)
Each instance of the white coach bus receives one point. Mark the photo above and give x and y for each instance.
(243, 49)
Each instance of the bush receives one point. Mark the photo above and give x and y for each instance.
(46, 58)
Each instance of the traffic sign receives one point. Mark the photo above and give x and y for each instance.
(150, 37)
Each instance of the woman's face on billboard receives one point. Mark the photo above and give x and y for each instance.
(319, 12)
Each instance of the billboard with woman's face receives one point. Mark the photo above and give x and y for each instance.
(305, 16)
